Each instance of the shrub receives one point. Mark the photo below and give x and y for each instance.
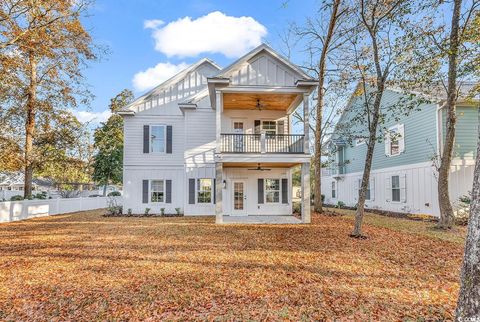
(41, 195)
(323, 198)
(340, 205)
(178, 210)
(162, 211)
(129, 211)
(297, 207)
(113, 209)
(95, 195)
(16, 198)
(465, 199)
(147, 210)
(114, 194)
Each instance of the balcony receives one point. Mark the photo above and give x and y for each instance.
(262, 143)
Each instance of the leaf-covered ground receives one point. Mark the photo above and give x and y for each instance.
(87, 267)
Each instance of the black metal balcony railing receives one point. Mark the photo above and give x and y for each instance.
(262, 143)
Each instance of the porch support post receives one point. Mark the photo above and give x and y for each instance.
(306, 124)
(218, 119)
(218, 193)
(306, 218)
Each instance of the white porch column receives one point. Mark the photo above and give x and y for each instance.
(306, 126)
(218, 120)
(306, 218)
(218, 192)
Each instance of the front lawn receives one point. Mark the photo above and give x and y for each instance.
(87, 267)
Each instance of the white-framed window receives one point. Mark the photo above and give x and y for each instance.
(272, 190)
(269, 127)
(158, 138)
(359, 185)
(395, 140)
(157, 191)
(396, 188)
(334, 190)
(204, 190)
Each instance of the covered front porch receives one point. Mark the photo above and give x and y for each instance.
(261, 193)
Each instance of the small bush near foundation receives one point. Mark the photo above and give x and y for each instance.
(297, 207)
(340, 205)
(129, 211)
(16, 198)
(162, 211)
(114, 194)
(147, 211)
(179, 211)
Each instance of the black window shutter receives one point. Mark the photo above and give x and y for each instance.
(169, 139)
(257, 128)
(146, 139)
(280, 127)
(260, 191)
(284, 190)
(191, 191)
(214, 191)
(168, 191)
(145, 191)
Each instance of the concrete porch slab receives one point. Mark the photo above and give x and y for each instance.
(275, 220)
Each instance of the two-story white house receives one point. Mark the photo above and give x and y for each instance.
(220, 141)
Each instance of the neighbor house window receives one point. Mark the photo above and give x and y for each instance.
(204, 190)
(157, 138)
(367, 195)
(395, 140)
(157, 191)
(334, 190)
(396, 188)
(269, 127)
(360, 141)
(272, 190)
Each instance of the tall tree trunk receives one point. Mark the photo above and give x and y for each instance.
(30, 124)
(362, 194)
(446, 210)
(317, 159)
(468, 306)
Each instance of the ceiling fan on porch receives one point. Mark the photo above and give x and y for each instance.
(259, 168)
(259, 105)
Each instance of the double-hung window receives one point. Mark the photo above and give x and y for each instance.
(334, 190)
(157, 191)
(157, 138)
(272, 190)
(204, 190)
(396, 188)
(269, 127)
(367, 195)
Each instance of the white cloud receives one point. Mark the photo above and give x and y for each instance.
(153, 76)
(93, 118)
(152, 24)
(213, 33)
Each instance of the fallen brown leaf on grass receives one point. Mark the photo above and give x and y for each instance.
(87, 267)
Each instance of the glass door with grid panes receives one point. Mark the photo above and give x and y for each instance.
(239, 198)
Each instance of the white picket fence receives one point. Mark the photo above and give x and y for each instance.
(26, 209)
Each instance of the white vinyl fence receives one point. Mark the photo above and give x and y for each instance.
(25, 209)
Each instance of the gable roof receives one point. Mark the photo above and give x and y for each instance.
(263, 47)
(222, 74)
(169, 82)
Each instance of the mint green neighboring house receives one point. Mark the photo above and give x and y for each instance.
(404, 169)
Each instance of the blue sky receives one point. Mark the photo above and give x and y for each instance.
(150, 39)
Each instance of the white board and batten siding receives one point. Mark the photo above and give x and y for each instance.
(263, 70)
(251, 190)
(418, 188)
(168, 96)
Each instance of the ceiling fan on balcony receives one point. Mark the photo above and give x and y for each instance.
(259, 105)
(259, 168)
